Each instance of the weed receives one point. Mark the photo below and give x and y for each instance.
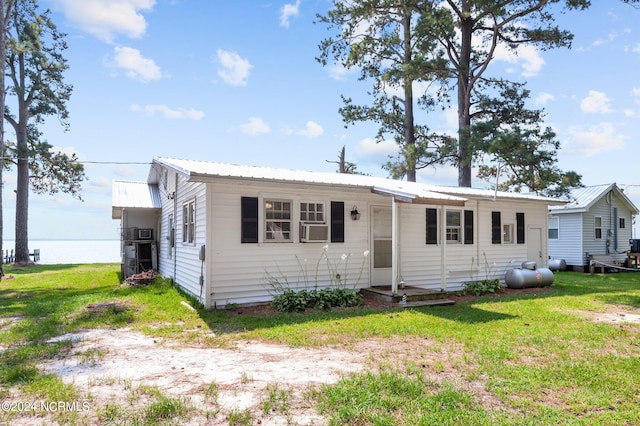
(277, 400)
(240, 417)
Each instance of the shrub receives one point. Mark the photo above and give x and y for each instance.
(327, 298)
(478, 288)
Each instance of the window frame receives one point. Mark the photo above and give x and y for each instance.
(189, 222)
(307, 212)
(271, 231)
(453, 230)
(508, 233)
(597, 229)
(555, 228)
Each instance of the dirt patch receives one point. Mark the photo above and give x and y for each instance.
(111, 366)
(614, 314)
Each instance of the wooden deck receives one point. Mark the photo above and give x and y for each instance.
(415, 297)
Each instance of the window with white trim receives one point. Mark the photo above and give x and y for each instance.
(554, 228)
(507, 233)
(597, 227)
(454, 226)
(312, 212)
(189, 222)
(277, 215)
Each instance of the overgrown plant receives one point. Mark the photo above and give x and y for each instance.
(488, 284)
(338, 292)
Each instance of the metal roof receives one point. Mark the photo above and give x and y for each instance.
(195, 170)
(138, 195)
(581, 199)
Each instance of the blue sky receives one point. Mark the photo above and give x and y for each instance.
(237, 81)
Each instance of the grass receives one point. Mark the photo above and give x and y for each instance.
(512, 360)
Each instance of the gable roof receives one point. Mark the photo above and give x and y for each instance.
(203, 171)
(582, 199)
(133, 195)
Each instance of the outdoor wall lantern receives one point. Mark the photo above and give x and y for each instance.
(355, 214)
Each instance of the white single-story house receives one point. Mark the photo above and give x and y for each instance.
(229, 234)
(598, 220)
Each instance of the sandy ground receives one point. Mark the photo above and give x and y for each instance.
(110, 365)
(123, 368)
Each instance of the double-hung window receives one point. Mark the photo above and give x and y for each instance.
(312, 212)
(277, 220)
(189, 222)
(554, 228)
(597, 221)
(454, 226)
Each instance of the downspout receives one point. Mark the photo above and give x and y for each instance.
(175, 221)
(443, 248)
(394, 247)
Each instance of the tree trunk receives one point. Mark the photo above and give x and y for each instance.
(409, 125)
(3, 53)
(22, 200)
(465, 150)
(22, 183)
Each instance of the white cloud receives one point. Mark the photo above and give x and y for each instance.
(628, 112)
(255, 126)
(543, 98)
(311, 130)
(105, 19)
(596, 102)
(234, 69)
(597, 139)
(368, 146)
(168, 113)
(135, 65)
(526, 56)
(289, 10)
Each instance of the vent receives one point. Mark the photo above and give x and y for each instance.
(313, 232)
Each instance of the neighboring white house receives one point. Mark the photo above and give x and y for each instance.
(227, 233)
(597, 221)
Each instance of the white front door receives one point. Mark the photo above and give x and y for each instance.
(381, 248)
(534, 246)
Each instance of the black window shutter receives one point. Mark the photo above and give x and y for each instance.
(468, 226)
(249, 220)
(520, 228)
(432, 226)
(496, 228)
(337, 222)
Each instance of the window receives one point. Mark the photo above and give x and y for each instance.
(621, 223)
(312, 212)
(507, 233)
(277, 220)
(554, 228)
(597, 227)
(189, 222)
(453, 225)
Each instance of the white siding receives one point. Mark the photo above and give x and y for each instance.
(183, 265)
(422, 264)
(237, 273)
(241, 273)
(604, 208)
(569, 245)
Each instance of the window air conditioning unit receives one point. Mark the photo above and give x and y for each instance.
(314, 232)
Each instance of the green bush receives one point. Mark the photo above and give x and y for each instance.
(327, 298)
(478, 288)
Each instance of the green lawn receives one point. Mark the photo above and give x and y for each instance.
(525, 359)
